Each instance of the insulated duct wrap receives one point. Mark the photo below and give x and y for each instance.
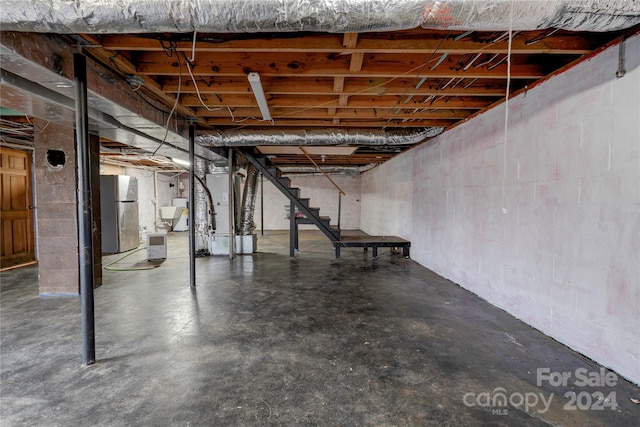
(247, 226)
(336, 16)
(369, 137)
(574, 15)
(201, 217)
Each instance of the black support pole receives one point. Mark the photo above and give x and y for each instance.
(292, 229)
(85, 219)
(192, 206)
(232, 212)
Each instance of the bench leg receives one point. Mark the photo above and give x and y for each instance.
(405, 251)
(337, 248)
(375, 252)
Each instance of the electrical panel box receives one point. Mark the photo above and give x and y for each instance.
(156, 246)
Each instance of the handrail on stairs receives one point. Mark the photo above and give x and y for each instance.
(340, 191)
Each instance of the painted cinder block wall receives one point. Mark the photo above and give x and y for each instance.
(564, 254)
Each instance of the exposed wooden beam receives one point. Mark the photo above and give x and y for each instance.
(342, 113)
(379, 70)
(294, 101)
(344, 100)
(327, 86)
(338, 84)
(222, 123)
(564, 44)
(357, 58)
(350, 40)
(124, 66)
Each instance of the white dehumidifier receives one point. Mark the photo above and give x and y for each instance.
(156, 246)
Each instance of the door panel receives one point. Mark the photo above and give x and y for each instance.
(16, 217)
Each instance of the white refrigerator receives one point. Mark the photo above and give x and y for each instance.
(119, 212)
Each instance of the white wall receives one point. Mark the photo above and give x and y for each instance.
(322, 194)
(387, 197)
(565, 256)
(146, 202)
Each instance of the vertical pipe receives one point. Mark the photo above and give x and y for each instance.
(155, 197)
(261, 204)
(192, 207)
(85, 239)
(231, 203)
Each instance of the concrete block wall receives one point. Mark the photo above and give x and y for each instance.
(56, 210)
(547, 226)
(387, 197)
(322, 194)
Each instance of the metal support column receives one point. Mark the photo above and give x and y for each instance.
(262, 204)
(232, 215)
(339, 208)
(292, 229)
(192, 206)
(85, 218)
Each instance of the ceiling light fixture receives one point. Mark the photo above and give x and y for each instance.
(258, 92)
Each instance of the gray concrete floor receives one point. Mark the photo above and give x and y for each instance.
(269, 340)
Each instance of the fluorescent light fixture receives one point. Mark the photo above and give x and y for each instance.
(258, 92)
(180, 162)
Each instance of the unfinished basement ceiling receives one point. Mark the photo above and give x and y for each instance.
(402, 82)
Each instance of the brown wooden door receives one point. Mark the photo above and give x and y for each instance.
(16, 217)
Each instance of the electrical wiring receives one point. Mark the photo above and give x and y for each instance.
(175, 104)
(333, 101)
(110, 268)
(193, 46)
(421, 70)
(195, 85)
(506, 114)
(169, 48)
(123, 76)
(34, 125)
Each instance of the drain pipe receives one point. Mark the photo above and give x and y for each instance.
(85, 220)
(155, 203)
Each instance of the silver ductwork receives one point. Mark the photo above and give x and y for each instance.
(336, 16)
(370, 137)
(249, 202)
(201, 204)
(527, 15)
